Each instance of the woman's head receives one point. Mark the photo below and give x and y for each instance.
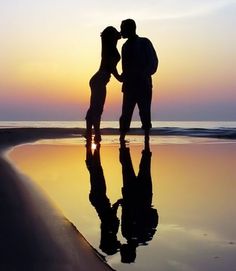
(110, 34)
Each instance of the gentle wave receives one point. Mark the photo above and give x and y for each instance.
(224, 133)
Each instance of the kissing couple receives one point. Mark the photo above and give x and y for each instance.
(139, 63)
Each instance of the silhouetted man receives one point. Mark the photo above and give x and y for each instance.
(138, 218)
(139, 63)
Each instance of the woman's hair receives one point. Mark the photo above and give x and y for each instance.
(110, 34)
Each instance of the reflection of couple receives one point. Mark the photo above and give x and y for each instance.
(139, 63)
(138, 219)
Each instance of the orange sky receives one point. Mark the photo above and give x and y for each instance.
(49, 52)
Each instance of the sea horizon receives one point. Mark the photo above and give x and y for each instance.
(115, 124)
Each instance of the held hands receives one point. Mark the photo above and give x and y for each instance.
(119, 77)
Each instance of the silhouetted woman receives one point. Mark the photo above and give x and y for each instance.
(110, 58)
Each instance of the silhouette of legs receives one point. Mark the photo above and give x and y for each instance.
(97, 138)
(88, 135)
(144, 106)
(128, 106)
(146, 141)
(98, 96)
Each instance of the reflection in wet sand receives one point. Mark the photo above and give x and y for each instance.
(193, 188)
(138, 218)
(98, 198)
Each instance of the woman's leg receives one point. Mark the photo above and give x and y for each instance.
(97, 138)
(97, 100)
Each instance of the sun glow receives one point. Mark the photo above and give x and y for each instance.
(49, 53)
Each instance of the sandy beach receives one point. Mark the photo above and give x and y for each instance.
(34, 234)
(50, 223)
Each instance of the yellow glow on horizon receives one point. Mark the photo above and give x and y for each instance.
(49, 53)
(60, 70)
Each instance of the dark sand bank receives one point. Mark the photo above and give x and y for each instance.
(14, 136)
(34, 235)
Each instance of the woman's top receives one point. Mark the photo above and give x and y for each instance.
(110, 58)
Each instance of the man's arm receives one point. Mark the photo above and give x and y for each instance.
(151, 57)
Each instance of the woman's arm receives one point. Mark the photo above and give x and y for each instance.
(117, 75)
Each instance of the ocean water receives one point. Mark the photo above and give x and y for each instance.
(115, 124)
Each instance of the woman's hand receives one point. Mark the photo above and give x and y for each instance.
(119, 78)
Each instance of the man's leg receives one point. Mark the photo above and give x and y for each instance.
(144, 105)
(127, 111)
(97, 138)
(89, 124)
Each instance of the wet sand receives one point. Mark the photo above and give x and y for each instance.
(193, 191)
(34, 235)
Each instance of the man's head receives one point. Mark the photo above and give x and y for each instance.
(128, 28)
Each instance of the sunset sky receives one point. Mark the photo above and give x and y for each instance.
(49, 49)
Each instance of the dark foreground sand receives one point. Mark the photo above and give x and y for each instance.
(34, 235)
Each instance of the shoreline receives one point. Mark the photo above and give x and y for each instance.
(16, 136)
(34, 233)
(10, 137)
